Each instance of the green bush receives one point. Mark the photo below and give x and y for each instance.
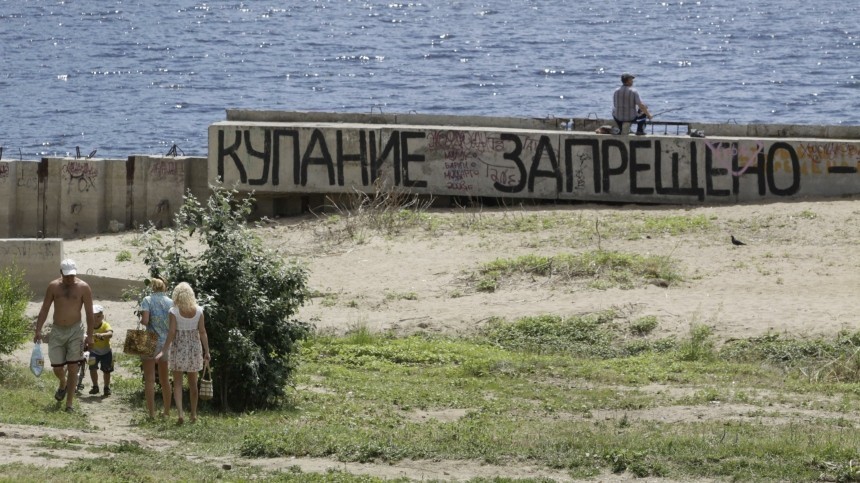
(249, 292)
(14, 295)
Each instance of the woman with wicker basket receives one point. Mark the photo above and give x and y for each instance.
(187, 345)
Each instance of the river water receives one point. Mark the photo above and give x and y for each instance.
(136, 77)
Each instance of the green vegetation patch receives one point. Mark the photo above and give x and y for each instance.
(602, 268)
(584, 395)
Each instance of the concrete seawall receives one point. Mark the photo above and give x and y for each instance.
(293, 160)
(277, 154)
(67, 197)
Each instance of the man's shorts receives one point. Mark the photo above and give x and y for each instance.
(65, 346)
(102, 361)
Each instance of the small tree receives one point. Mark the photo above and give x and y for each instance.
(249, 294)
(14, 295)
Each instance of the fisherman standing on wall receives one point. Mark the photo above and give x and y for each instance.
(628, 106)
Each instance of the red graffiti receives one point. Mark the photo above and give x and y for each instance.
(163, 169)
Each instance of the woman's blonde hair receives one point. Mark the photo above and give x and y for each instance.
(158, 285)
(183, 297)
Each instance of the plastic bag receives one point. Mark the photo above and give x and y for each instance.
(37, 361)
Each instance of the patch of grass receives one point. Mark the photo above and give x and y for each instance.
(72, 442)
(581, 336)
(389, 296)
(807, 215)
(142, 465)
(676, 224)
(644, 325)
(329, 300)
(566, 393)
(602, 268)
(814, 359)
(545, 410)
(700, 345)
(30, 400)
(386, 211)
(123, 256)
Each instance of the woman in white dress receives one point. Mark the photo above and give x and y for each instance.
(187, 346)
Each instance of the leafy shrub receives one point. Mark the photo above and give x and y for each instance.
(14, 295)
(249, 293)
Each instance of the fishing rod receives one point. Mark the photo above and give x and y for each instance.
(667, 110)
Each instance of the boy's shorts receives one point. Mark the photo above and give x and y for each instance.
(102, 361)
(65, 346)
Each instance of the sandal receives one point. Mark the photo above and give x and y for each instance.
(60, 394)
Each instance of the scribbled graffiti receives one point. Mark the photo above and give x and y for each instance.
(458, 174)
(4, 170)
(161, 170)
(836, 157)
(15, 250)
(29, 182)
(82, 175)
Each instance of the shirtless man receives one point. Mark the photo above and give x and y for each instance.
(65, 348)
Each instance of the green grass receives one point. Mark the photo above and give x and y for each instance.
(28, 399)
(570, 394)
(601, 269)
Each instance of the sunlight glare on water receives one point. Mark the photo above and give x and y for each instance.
(134, 77)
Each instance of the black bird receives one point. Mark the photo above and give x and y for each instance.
(737, 242)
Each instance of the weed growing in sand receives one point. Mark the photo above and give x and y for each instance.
(393, 296)
(123, 256)
(644, 325)
(601, 268)
(699, 346)
(14, 295)
(386, 211)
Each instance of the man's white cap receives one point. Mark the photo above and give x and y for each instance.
(68, 267)
(97, 309)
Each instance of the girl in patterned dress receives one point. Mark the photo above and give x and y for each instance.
(154, 315)
(187, 345)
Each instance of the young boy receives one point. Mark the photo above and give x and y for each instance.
(101, 355)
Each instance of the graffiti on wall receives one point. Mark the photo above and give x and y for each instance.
(166, 169)
(4, 170)
(488, 163)
(830, 157)
(81, 175)
(16, 250)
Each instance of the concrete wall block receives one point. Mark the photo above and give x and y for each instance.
(27, 214)
(38, 259)
(8, 202)
(312, 159)
(165, 180)
(115, 195)
(197, 177)
(82, 197)
(50, 196)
